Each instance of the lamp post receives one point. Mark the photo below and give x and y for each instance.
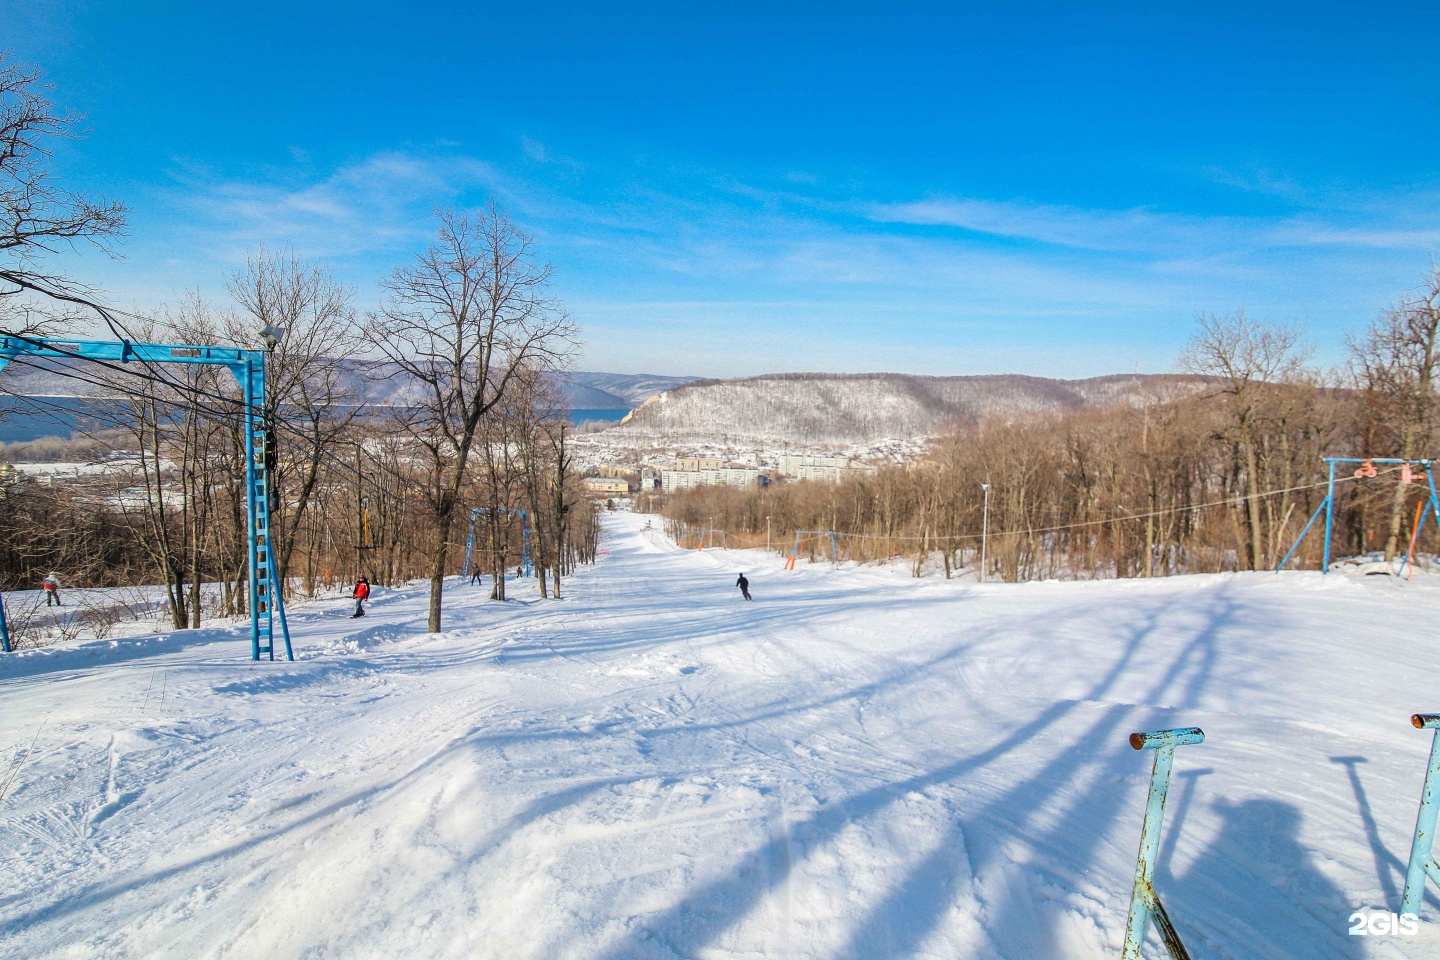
(984, 530)
(767, 533)
(360, 515)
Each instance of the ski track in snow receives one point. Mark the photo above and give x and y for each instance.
(858, 764)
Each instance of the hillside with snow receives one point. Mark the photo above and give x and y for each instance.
(857, 764)
(858, 409)
(369, 381)
(590, 389)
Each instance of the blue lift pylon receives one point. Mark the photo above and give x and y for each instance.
(248, 366)
(795, 548)
(525, 568)
(1327, 506)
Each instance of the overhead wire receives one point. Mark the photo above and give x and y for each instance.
(157, 375)
(1260, 495)
(278, 419)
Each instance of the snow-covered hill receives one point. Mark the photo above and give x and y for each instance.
(856, 409)
(584, 389)
(857, 764)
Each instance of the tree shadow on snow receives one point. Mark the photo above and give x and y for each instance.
(1025, 923)
(901, 923)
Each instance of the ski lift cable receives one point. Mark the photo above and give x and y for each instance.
(1121, 519)
(192, 390)
(218, 414)
(123, 333)
(195, 391)
(118, 329)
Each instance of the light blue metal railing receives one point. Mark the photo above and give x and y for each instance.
(1144, 901)
(1422, 862)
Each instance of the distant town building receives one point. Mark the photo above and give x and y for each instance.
(608, 486)
(744, 478)
(829, 469)
(698, 464)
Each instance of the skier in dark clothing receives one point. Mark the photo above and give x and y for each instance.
(476, 577)
(744, 586)
(361, 594)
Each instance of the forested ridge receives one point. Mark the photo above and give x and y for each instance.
(1222, 475)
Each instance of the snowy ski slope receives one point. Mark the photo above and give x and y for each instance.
(858, 764)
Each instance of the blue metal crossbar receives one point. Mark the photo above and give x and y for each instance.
(795, 549)
(1144, 901)
(1422, 863)
(4, 628)
(1327, 506)
(525, 568)
(248, 367)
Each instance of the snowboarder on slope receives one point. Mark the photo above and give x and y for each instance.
(51, 583)
(744, 586)
(361, 594)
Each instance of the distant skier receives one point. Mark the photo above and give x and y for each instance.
(476, 577)
(361, 594)
(744, 586)
(51, 583)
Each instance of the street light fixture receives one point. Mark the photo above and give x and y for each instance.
(984, 530)
(272, 335)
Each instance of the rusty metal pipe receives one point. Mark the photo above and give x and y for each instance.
(1156, 739)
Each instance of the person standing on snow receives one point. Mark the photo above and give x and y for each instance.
(51, 583)
(361, 594)
(744, 586)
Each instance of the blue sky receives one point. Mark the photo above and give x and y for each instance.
(947, 189)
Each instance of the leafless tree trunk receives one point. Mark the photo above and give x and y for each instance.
(1248, 358)
(1394, 369)
(460, 324)
(37, 215)
(308, 380)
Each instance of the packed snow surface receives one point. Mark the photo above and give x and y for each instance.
(857, 764)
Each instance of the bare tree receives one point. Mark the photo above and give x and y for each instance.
(460, 324)
(1394, 368)
(37, 215)
(306, 379)
(1247, 358)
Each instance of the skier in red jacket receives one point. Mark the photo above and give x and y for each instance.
(361, 594)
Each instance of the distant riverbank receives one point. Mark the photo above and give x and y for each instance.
(31, 418)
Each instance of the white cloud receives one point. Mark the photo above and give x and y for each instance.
(381, 203)
(807, 257)
(1064, 226)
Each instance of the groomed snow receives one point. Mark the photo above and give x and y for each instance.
(858, 764)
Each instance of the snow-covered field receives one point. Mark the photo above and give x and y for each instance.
(857, 764)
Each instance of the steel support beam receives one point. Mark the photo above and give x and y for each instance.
(248, 367)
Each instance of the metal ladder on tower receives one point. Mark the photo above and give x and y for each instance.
(266, 597)
(248, 367)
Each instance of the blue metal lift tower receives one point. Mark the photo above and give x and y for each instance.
(266, 604)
